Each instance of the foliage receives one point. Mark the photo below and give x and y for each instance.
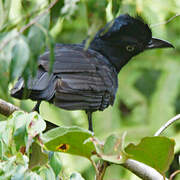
(25, 147)
(148, 93)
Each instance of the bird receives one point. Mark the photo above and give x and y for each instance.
(87, 78)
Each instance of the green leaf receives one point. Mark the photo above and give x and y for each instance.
(1, 149)
(72, 140)
(36, 39)
(157, 152)
(32, 176)
(37, 158)
(76, 176)
(45, 21)
(50, 42)
(20, 57)
(20, 167)
(19, 136)
(69, 8)
(35, 126)
(19, 120)
(109, 14)
(55, 164)
(47, 173)
(16, 130)
(112, 149)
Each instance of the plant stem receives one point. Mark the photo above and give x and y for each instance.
(165, 126)
(102, 170)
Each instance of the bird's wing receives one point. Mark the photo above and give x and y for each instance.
(85, 73)
(79, 69)
(70, 58)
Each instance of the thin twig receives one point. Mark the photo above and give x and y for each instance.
(33, 21)
(95, 167)
(24, 17)
(36, 19)
(165, 22)
(174, 174)
(174, 119)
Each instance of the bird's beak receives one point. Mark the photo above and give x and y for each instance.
(158, 43)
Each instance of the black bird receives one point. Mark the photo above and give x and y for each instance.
(88, 79)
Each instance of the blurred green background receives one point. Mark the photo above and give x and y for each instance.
(149, 85)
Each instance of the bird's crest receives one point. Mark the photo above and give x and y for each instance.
(126, 25)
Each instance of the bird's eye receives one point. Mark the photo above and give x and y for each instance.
(130, 48)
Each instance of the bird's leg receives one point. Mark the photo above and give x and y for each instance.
(36, 107)
(89, 115)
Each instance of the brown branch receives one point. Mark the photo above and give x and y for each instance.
(101, 170)
(33, 21)
(6, 108)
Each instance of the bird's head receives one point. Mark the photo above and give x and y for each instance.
(125, 37)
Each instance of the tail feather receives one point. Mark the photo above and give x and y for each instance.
(42, 87)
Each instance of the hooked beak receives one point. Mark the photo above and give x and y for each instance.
(158, 43)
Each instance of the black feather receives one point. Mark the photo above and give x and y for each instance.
(88, 79)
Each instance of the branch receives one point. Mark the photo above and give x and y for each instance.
(33, 21)
(6, 108)
(165, 126)
(142, 170)
(165, 22)
(36, 19)
(174, 174)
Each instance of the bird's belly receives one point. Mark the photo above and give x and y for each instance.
(82, 100)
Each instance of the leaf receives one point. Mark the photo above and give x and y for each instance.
(72, 140)
(19, 136)
(109, 14)
(69, 8)
(17, 123)
(20, 167)
(50, 43)
(20, 57)
(37, 157)
(47, 173)
(112, 149)
(76, 176)
(55, 163)
(32, 176)
(157, 152)
(36, 39)
(36, 124)
(45, 21)
(1, 149)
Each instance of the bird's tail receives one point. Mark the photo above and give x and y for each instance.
(41, 87)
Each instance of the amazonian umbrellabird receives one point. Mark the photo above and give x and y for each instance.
(88, 79)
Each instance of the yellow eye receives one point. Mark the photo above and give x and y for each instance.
(130, 48)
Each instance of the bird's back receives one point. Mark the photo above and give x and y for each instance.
(79, 80)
